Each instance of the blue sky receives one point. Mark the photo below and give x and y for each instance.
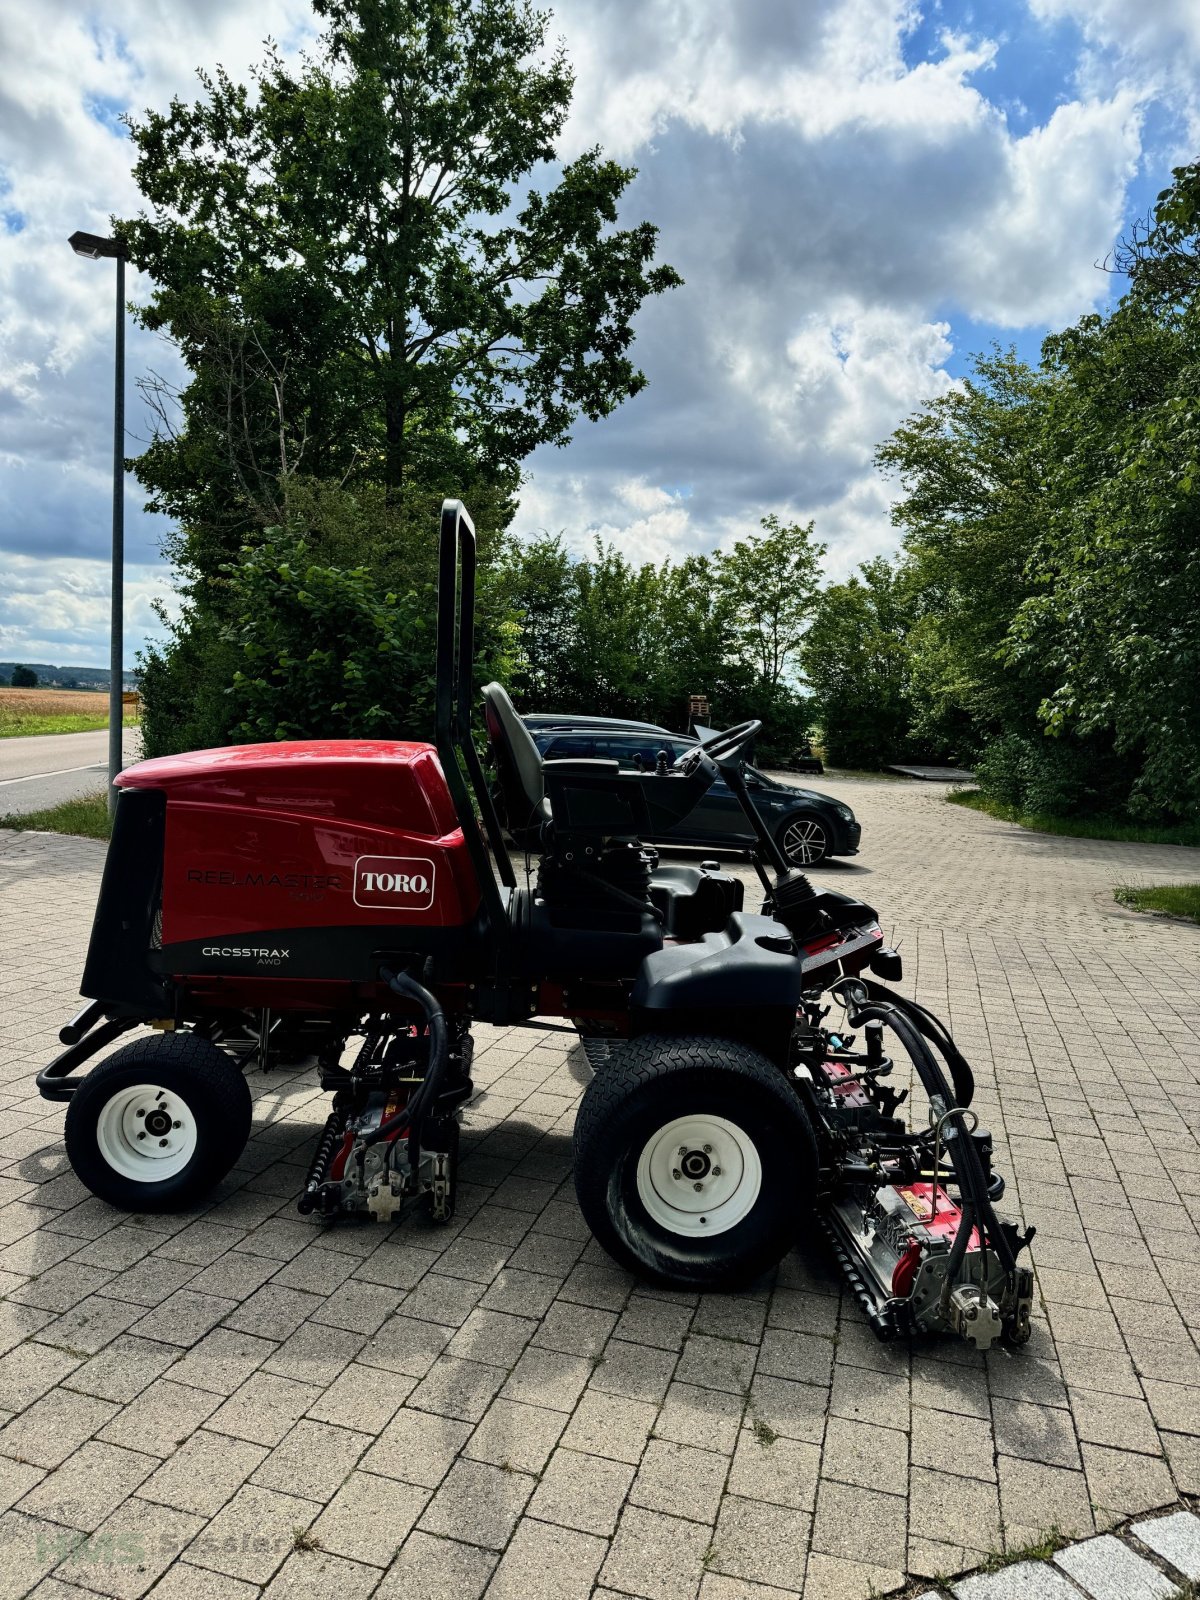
(859, 194)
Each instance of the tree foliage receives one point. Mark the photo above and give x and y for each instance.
(601, 636)
(772, 581)
(1052, 549)
(361, 275)
(856, 661)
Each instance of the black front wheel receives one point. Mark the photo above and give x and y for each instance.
(694, 1160)
(804, 840)
(159, 1123)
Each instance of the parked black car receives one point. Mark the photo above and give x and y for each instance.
(808, 826)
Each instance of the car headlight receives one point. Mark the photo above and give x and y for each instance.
(845, 813)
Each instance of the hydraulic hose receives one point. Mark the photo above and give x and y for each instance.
(439, 1052)
(933, 1029)
(977, 1208)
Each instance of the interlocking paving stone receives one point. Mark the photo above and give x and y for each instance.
(54, 1426)
(1109, 1570)
(478, 1504)
(680, 1480)
(781, 1471)
(544, 1562)
(1176, 1538)
(582, 1491)
(761, 1543)
(253, 1534)
(369, 1517)
(317, 1572)
(857, 1453)
(609, 1425)
(428, 1568)
(88, 1486)
(516, 1435)
(130, 1549)
(656, 1557)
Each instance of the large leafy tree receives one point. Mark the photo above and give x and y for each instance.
(856, 661)
(364, 278)
(1051, 552)
(771, 578)
(971, 466)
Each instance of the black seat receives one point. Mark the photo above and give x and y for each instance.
(519, 765)
(604, 802)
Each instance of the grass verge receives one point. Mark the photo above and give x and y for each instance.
(23, 727)
(1186, 833)
(87, 816)
(1170, 899)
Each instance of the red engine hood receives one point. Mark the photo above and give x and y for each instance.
(239, 760)
(386, 783)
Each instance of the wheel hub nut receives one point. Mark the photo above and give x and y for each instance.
(696, 1164)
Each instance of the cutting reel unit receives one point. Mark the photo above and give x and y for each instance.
(910, 1214)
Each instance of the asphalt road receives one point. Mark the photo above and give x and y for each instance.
(47, 768)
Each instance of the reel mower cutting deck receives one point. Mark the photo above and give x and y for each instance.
(354, 903)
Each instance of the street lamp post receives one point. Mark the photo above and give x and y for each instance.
(97, 248)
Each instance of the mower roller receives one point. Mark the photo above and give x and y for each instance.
(353, 903)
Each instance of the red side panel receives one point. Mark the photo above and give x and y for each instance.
(320, 834)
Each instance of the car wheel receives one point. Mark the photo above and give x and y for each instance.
(804, 840)
(694, 1161)
(158, 1124)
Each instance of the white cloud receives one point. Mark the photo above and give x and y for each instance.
(1156, 32)
(58, 611)
(834, 211)
(65, 164)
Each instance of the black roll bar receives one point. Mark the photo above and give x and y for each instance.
(452, 714)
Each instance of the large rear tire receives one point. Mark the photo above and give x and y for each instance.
(159, 1123)
(693, 1160)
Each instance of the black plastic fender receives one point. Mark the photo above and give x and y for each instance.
(742, 983)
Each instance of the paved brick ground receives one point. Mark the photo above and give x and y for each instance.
(494, 1407)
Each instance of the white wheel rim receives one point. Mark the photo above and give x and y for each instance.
(146, 1132)
(699, 1176)
(804, 841)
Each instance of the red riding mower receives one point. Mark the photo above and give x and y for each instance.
(343, 901)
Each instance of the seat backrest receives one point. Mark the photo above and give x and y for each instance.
(518, 762)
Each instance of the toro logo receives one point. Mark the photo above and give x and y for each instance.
(394, 883)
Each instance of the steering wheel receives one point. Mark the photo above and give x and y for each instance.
(722, 747)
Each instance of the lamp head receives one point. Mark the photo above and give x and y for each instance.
(95, 246)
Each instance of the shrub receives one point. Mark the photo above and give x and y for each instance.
(1049, 777)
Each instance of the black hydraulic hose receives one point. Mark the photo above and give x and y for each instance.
(439, 1052)
(963, 1154)
(933, 1029)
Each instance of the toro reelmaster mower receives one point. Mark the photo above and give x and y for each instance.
(353, 903)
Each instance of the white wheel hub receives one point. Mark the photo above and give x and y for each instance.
(146, 1132)
(699, 1175)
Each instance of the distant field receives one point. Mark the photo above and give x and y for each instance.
(26, 711)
